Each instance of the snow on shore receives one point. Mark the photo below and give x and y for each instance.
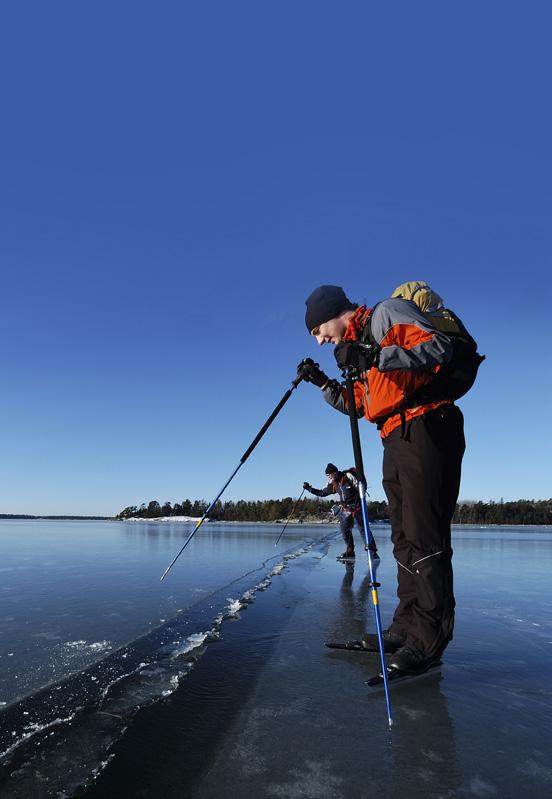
(165, 519)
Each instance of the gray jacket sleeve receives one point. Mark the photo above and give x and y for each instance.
(408, 339)
(335, 395)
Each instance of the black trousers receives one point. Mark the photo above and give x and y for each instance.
(346, 523)
(421, 478)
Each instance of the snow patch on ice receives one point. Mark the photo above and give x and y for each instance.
(32, 729)
(232, 608)
(83, 646)
(120, 679)
(190, 643)
(168, 519)
(101, 766)
(296, 554)
(175, 680)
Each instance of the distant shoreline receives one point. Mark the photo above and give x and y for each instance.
(184, 519)
(57, 518)
(193, 519)
(307, 522)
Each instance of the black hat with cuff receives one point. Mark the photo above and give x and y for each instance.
(326, 302)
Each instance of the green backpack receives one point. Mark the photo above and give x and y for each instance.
(456, 377)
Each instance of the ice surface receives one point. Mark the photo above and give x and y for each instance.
(480, 729)
(267, 709)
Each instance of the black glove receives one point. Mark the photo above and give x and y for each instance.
(312, 373)
(352, 354)
(307, 486)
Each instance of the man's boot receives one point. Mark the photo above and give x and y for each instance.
(409, 660)
(391, 641)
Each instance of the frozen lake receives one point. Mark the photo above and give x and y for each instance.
(115, 684)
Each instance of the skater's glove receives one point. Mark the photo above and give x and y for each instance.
(354, 355)
(307, 486)
(312, 373)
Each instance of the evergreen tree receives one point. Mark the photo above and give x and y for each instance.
(154, 509)
(520, 512)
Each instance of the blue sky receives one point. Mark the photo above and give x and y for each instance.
(176, 178)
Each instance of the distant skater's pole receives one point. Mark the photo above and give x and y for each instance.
(357, 449)
(244, 457)
(289, 517)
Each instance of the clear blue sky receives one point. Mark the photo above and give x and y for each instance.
(177, 177)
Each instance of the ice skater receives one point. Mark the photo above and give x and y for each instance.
(345, 485)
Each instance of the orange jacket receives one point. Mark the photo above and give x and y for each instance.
(412, 352)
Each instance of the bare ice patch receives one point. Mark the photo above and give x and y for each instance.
(315, 781)
(413, 713)
(478, 787)
(533, 769)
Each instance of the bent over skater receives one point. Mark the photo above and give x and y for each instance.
(398, 353)
(345, 485)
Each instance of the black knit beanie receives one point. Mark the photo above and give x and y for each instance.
(331, 469)
(326, 302)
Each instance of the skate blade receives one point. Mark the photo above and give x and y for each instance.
(395, 677)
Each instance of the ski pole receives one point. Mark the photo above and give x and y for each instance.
(357, 450)
(244, 457)
(289, 517)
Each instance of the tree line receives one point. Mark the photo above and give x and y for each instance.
(521, 511)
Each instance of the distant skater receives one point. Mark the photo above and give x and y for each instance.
(404, 353)
(345, 485)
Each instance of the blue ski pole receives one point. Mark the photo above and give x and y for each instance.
(357, 450)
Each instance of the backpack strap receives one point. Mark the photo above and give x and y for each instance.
(367, 335)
